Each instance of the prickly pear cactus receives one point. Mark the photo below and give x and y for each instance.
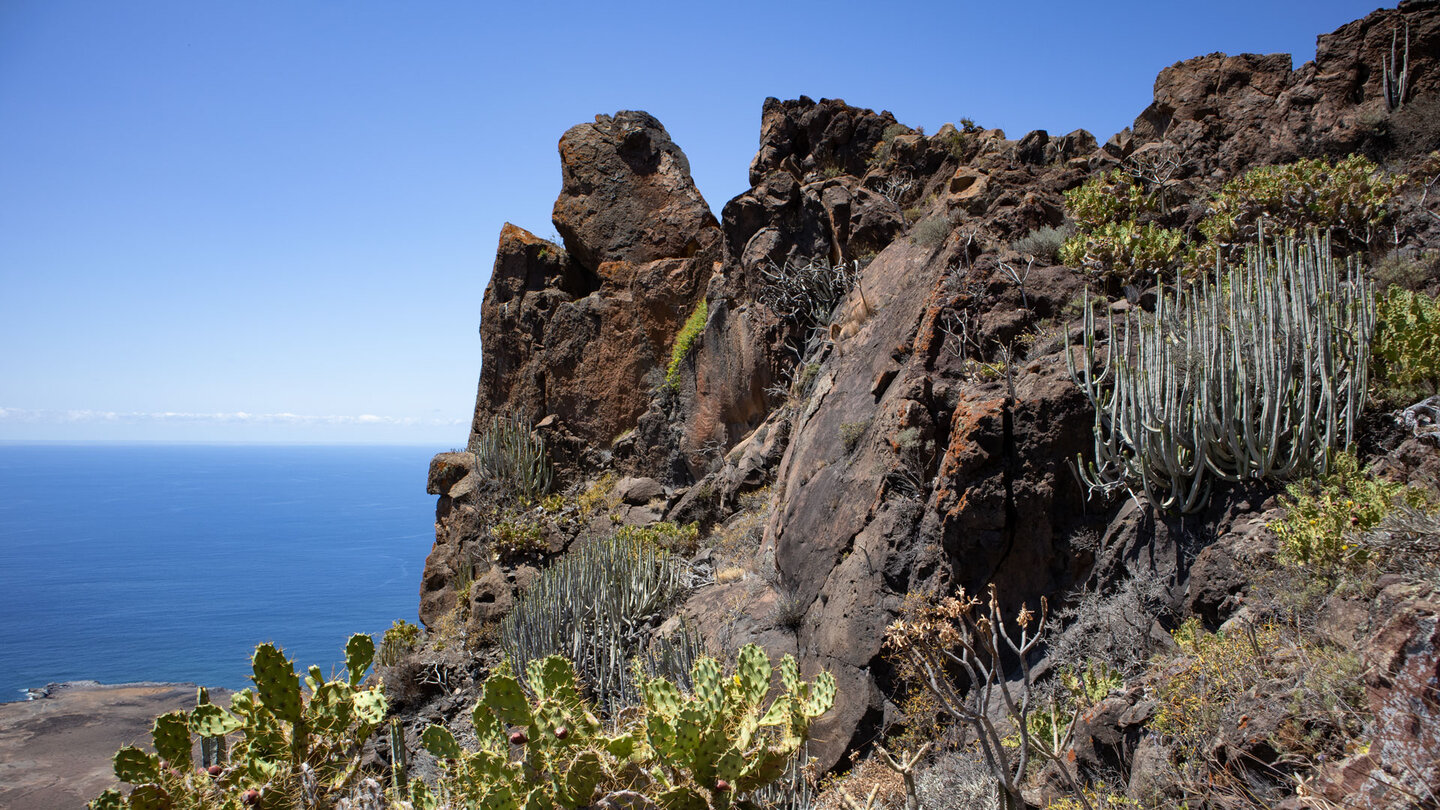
(698, 751)
(285, 742)
(563, 755)
(717, 742)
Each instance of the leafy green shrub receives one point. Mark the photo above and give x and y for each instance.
(886, 146)
(1112, 196)
(852, 432)
(1110, 243)
(675, 538)
(517, 537)
(512, 456)
(1213, 670)
(289, 744)
(399, 639)
(684, 343)
(711, 748)
(595, 605)
(1125, 252)
(1349, 197)
(1407, 344)
(1326, 515)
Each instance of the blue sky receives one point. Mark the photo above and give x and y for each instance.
(274, 221)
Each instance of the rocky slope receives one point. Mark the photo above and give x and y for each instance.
(925, 443)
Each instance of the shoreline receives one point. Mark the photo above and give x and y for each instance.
(56, 747)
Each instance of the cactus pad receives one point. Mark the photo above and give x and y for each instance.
(753, 669)
(370, 706)
(359, 653)
(172, 739)
(135, 766)
(109, 800)
(503, 696)
(662, 697)
(553, 677)
(709, 684)
(439, 741)
(277, 683)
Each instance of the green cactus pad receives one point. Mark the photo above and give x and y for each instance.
(766, 767)
(754, 670)
(688, 728)
(581, 778)
(370, 706)
(277, 683)
(779, 713)
(821, 697)
(731, 765)
(621, 746)
(663, 698)
(359, 653)
(440, 742)
(488, 728)
(709, 686)
(135, 766)
(421, 797)
(790, 674)
(172, 738)
(553, 677)
(506, 699)
(660, 732)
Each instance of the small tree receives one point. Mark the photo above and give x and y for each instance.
(965, 635)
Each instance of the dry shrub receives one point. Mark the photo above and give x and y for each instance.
(868, 774)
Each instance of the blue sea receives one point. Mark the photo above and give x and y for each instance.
(135, 562)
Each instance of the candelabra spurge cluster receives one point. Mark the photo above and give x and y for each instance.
(1258, 372)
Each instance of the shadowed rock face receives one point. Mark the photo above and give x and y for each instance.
(923, 455)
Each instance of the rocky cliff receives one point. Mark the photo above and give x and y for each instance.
(924, 441)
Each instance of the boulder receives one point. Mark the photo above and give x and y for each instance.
(627, 195)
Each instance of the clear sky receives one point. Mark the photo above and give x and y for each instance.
(273, 220)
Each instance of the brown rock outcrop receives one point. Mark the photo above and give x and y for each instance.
(1227, 113)
(627, 195)
(805, 136)
(580, 333)
(1402, 686)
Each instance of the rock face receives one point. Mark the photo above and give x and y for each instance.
(1226, 113)
(925, 443)
(627, 195)
(579, 333)
(1402, 686)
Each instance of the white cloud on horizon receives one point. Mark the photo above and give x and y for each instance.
(39, 416)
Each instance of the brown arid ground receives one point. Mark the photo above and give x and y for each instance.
(55, 752)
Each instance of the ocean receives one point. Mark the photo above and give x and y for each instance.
(140, 562)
